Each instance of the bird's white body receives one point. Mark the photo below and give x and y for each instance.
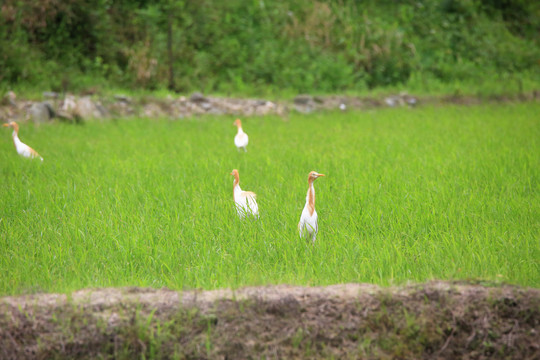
(308, 225)
(241, 139)
(22, 148)
(245, 201)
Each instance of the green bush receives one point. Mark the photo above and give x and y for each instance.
(238, 46)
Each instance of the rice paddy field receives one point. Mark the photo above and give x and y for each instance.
(409, 195)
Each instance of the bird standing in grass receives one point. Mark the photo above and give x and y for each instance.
(308, 220)
(244, 200)
(241, 139)
(22, 148)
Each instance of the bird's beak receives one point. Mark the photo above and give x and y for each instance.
(321, 175)
(5, 125)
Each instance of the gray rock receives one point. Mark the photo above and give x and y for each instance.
(40, 112)
(303, 99)
(197, 97)
(11, 95)
(282, 110)
(318, 100)
(121, 109)
(50, 94)
(401, 100)
(6, 113)
(215, 111)
(305, 109)
(153, 111)
(206, 106)
(50, 108)
(231, 108)
(86, 108)
(265, 108)
(67, 117)
(9, 99)
(123, 98)
(102, 110)
(411, 101)
(68, 104)
(393, 101)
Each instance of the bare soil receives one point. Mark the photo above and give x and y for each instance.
(436, 320)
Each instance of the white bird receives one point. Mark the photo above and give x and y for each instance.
(241, 139)
(308, 220)
(244, 200)
(22, 148)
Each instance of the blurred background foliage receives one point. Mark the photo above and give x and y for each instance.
(248, 47)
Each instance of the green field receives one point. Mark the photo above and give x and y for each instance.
(409, 195)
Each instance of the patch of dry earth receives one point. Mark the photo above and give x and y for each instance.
(441, 320)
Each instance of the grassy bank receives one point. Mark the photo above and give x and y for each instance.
(410, 194)
(422, 321)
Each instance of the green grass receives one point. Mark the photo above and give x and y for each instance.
(499, 84)
(410, 195)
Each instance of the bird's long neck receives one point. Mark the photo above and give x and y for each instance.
(240, 131)
(16, 140)
(236, 185)
(310, 198)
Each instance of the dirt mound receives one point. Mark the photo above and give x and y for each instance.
(437, 320)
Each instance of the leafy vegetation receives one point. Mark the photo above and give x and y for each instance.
(255, 47)
(410, 195)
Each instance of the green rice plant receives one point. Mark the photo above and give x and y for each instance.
(410, 195)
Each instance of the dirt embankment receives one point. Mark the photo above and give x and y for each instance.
(437, 320)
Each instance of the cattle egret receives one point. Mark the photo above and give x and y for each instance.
(244, 200)
(22, 148)
(241, 139)
(308, 220)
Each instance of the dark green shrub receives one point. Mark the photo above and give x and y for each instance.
(238, 46)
